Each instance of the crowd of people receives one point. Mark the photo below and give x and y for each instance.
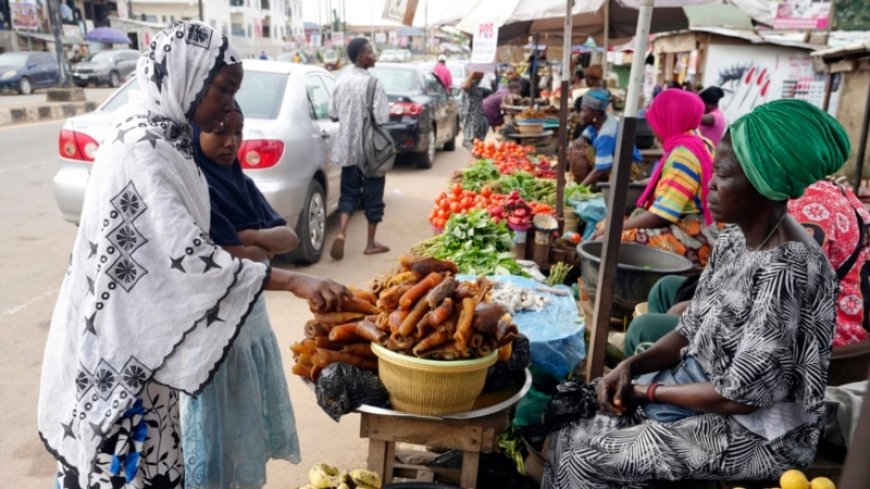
(161, 369)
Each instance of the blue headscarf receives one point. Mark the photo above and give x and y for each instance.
(236, 202)
(596, 99)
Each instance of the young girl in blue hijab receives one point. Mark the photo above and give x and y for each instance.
(244, 416)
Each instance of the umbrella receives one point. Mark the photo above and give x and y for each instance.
(107, 35)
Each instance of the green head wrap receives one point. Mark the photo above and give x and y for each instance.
(787, 145)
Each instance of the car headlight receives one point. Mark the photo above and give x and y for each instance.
(8, 74)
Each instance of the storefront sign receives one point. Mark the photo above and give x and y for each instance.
(25, 15)
(400, 10)
(801, 14)
(485, 43)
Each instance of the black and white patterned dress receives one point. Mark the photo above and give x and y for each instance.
(761, 326)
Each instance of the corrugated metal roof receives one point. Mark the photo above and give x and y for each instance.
(857, 48)
(717, 16)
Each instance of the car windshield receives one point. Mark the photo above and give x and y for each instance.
(13, 59)
(120, 97)
(397, 79)
(101, 57)
(261, 94)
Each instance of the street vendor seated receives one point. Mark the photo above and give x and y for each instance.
(591, 154)
(672, 212)
(736, 391)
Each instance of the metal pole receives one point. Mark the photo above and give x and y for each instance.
(606, 40)
(862, 144)
(563, 112)
(616, 205)
(55, 17)
(201, 17)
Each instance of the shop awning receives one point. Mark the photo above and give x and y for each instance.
(717, 16)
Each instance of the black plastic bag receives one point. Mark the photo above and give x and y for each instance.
(512, 372)
(342, 388)
(573, 400)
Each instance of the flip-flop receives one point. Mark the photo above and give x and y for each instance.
(378, 249)
(337, 250)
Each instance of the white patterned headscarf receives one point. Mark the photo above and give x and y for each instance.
(147, 297)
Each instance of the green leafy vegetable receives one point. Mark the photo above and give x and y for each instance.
(480, 173)
(477, 244)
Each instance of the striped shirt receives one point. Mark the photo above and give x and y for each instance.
(678, 192)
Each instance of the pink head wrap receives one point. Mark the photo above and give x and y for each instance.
(672, 115)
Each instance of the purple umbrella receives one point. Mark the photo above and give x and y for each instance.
(107, 35)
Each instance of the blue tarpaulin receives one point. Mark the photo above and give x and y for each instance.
(555, 334)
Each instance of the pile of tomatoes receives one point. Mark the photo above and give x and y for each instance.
(460, 201)
(509, 157)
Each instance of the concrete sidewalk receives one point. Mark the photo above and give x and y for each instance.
(43, 111)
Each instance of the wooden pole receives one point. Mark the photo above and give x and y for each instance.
(862, 144)
(616, 206)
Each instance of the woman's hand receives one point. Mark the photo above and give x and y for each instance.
(615, 391)
(322, 294)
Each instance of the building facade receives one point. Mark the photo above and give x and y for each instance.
(254, 26)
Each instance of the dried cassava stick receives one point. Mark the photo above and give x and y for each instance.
(333, 318)
(368, 331)
(437, 338)
(314, 329)
(345, 333)
(325, 357)
(416, 292)
(413, 317)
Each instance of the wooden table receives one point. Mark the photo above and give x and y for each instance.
(471, 436)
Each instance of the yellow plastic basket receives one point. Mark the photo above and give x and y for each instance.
(431, 387)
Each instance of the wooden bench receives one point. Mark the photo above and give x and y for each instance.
(471, 436)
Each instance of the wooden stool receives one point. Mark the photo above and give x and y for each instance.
(471, 436)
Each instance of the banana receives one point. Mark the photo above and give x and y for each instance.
(323, 476)
(366, 478)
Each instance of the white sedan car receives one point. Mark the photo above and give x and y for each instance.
(288, 136)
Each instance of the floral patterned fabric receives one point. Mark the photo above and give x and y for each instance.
(829, 215)
(143, 450)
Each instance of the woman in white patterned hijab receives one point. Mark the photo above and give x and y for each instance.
(149, 305)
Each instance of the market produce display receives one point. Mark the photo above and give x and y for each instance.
(422, 310)
(476, 243)
(325, 476)
(509, 157)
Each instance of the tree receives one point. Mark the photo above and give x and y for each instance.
(851, 15)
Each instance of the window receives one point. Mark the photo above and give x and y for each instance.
(397, 79)
(237, 3)
(121, 97)
(238, 30)
(433, 86)
(318, 97)
(261, 94)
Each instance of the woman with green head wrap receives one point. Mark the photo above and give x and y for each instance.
(736, 392)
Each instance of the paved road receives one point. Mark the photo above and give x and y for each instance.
(36, 252)
(94, 94)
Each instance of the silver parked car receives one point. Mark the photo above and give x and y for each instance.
(109, 67)
(288, 136)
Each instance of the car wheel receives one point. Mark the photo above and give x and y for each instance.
(426, 159)
(312, 226)
(114, 79)
(24, 86)
(451, 145)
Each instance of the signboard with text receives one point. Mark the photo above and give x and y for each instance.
(400, 10)
(801, 14)
(25, 15)
(485, 43)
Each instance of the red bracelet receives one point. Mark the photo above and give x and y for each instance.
(651, 392)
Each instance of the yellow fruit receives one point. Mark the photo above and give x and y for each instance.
(323, 476)
(366, 478)
(822, 483)
(794, 479)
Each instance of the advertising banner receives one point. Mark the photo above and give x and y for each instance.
(25, 15)
(801, 14)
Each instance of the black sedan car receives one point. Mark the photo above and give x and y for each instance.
(423, 116)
